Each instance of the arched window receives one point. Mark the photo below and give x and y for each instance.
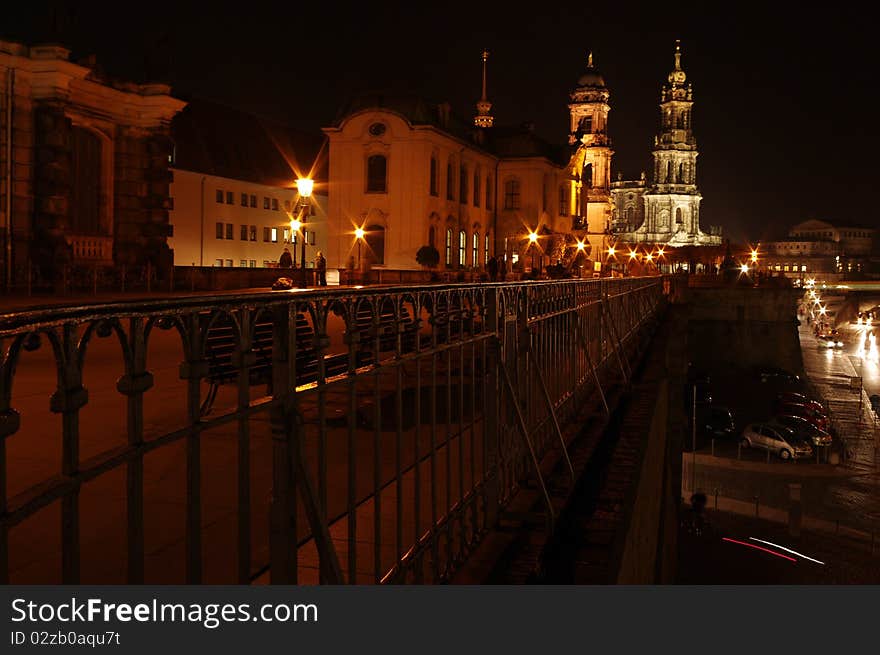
(450, 182)
(449, 246)
(486, 250)
(588, 176)
(375, 238)
(477, 187)
(434, 172)
(85, 207)
(462, 248)
(463, 184)
(681, 173)
(475, 259)
(489, 193)
(668, 172)
(432, 236)
(629, 215)
(511, 194)
(678, 218)
(376, 173)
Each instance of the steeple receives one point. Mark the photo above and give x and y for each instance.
(483, 117)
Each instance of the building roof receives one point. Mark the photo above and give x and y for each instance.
(502, 141)
(217, 140)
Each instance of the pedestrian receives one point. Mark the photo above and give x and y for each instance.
(321, 267)
(285, 261)
(492, 266)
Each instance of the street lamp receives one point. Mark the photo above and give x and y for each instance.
(359, 235)
(295, 225)
(304, 186)
(533, 239)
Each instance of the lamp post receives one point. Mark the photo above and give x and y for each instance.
(533, 241)
(295, 225)
(304, 186)
(359, 235)
(609, 260)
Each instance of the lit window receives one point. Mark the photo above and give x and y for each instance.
(462, 248)
(274, 235)
(253, 232)
(253, 263)
(218, 262)
(803, 268)
(486, 250)
(285, 234)
(476, 250)
(243, 263)
(449, 247)
(229, 263)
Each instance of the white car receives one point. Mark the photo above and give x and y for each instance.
(775, 438)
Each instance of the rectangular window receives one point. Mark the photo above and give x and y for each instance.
(218, 262)
(244, 232)
(267, 263)
(275, 204)
(229, 228)
(219, 230)
(563, 201)
(253, 263)
(266, 203)
(489, 193)
(244, 200)
(229, 263)
(253, 201)
(450, 182)
(274, 235)
(243, 263)
(434, 191)
(377, 167)
(265, 234)
(253, 232)
(511, 194)
(463, 185)
(476, 189)
(230, 197)
(287, 205)
(285, 234)
(219, 195)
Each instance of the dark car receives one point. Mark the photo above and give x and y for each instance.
(800, 399)
(804, 411)
(803, 429)
(777, 375)
(715, 421)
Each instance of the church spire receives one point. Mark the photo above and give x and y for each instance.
(590, 60)
(678, 54)
(483, 117)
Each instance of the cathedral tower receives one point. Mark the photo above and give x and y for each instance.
(483, 117)
(672, 205)
(590, 166)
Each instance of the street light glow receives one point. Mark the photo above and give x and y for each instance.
(632, 254)
(533, 237)
(304, 185)
(611, 251)
(359, 233)
(581, 246)
(649, 257)
(754, 255)
(744, 268)
(295, 224)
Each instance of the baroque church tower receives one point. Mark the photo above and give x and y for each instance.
(590, 166)
(672, 201)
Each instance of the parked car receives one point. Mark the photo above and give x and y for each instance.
(800, 399)
(803, 429)
(715, 421)
(804, 411)
(777, 439)
(776, 374)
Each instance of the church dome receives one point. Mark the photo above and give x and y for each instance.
(591, 77)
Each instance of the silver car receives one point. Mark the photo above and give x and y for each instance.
(775, 438)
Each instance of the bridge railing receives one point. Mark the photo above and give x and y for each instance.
(388, 429)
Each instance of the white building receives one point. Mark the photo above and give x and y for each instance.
(234, 190)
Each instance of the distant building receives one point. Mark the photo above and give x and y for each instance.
(84, 164)
(411, 173)
(234, 189)
(820, 247)
(666, 211)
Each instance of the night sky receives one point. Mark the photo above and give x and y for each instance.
(782, 94)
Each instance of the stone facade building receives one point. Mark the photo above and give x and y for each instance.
(84, 162)
(666, 211)
(817, 247)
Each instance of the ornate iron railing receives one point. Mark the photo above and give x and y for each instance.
(353, 435)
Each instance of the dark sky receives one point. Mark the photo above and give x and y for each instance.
(784, 95)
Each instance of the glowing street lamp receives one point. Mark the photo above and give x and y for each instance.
(533, 239)
(304, 186)
(359, 235)
(754, 256)
(744, 269)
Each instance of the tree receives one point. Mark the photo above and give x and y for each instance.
(428, 256)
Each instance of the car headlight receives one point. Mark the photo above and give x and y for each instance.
(840, 344)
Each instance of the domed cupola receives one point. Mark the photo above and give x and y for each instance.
(677, 88)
